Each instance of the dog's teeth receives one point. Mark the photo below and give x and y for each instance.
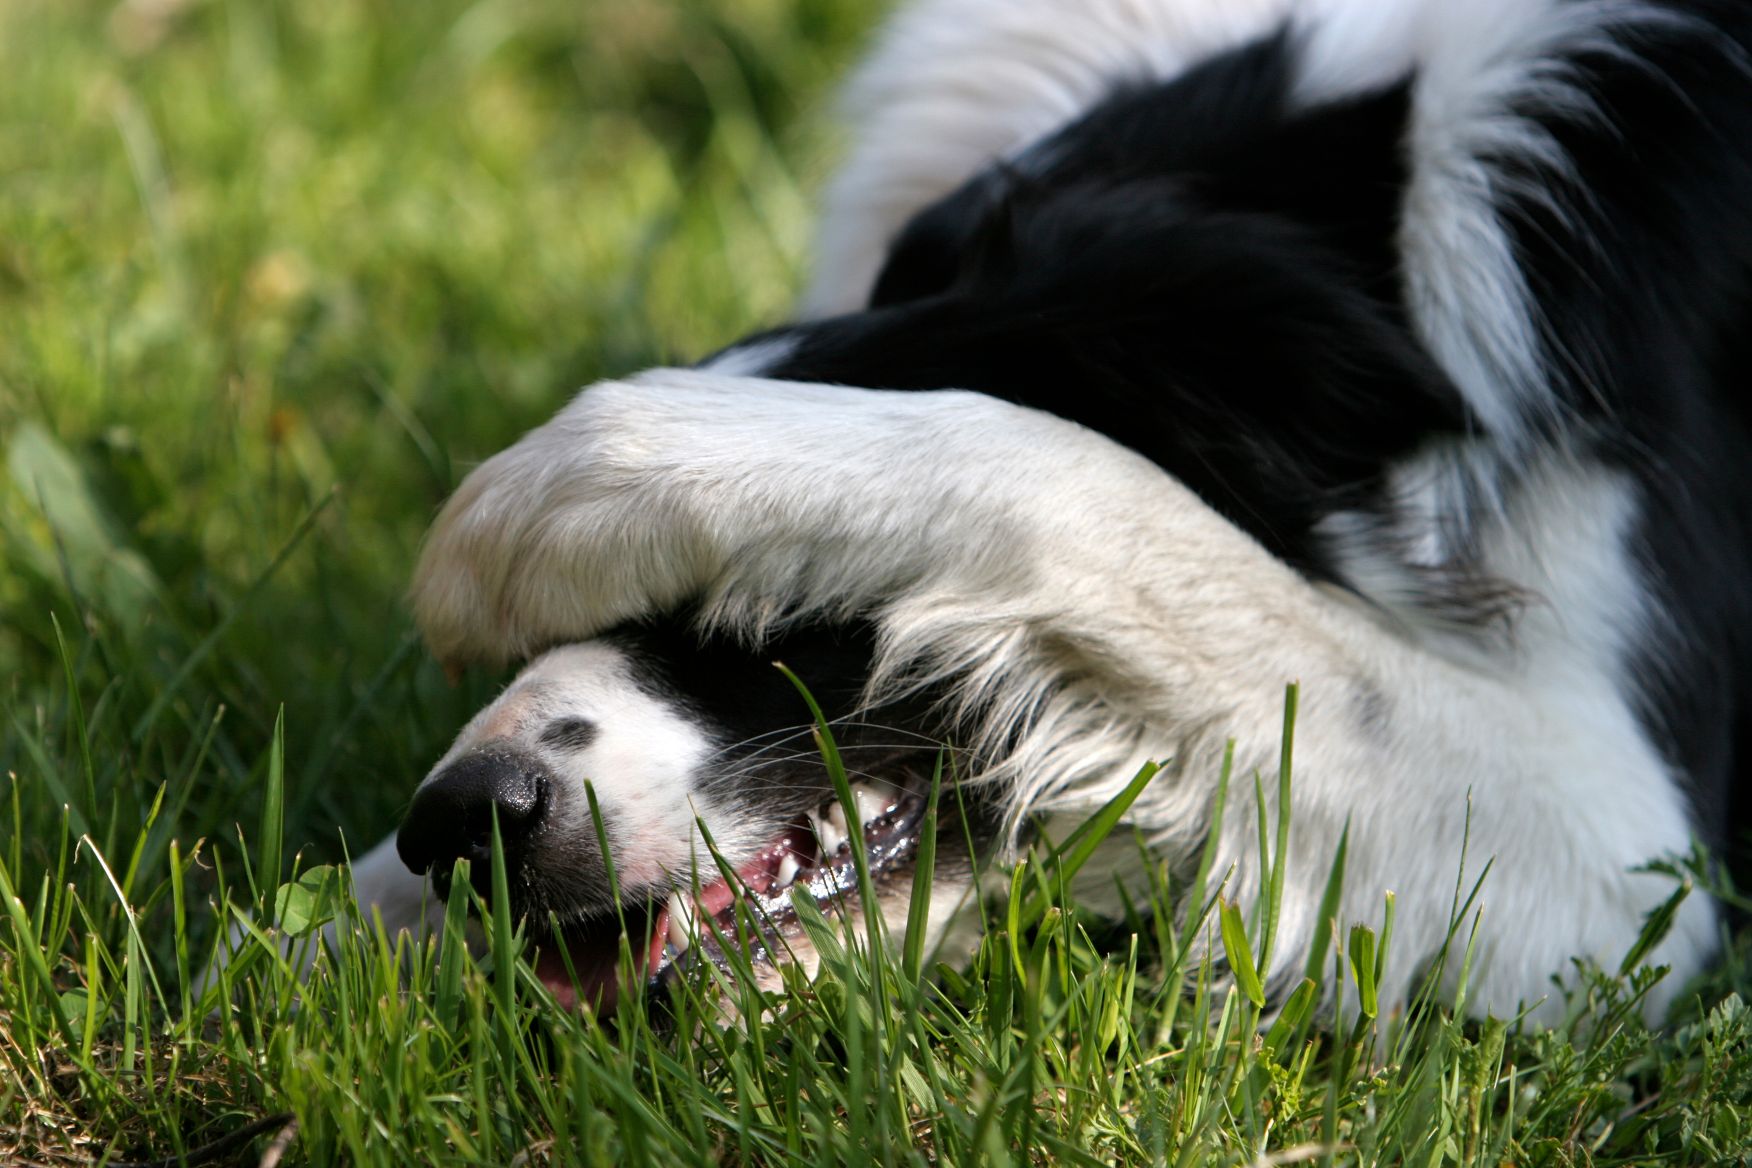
(830, 829)
(874, 801)
(788, 869)
(680, 921)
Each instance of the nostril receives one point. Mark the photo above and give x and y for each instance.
(452, 814)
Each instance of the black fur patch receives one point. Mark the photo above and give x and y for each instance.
(1194, 269)
(769, 761)
(570, 734)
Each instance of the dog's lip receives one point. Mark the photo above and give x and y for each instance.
(584, 971)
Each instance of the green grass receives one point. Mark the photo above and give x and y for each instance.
(271, 277)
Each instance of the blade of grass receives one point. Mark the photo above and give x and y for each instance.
(919, 907)
(1240, 954)
(1274, 894)
(273, 824)
(1083, 842)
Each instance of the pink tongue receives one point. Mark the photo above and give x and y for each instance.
(598, 968)
(597, 987)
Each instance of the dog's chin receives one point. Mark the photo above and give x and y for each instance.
(754, 912)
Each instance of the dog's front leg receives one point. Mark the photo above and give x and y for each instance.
(1094, 613)
(761, 499)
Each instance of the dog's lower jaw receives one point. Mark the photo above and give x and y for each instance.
(591, 966)
(663, 952)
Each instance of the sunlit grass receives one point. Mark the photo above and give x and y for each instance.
(1066, 1041)
(272, 276)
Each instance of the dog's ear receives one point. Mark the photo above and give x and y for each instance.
(1223, 135)
(970, 231)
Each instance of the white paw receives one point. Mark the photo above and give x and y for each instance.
(757, 498)
(576, 527)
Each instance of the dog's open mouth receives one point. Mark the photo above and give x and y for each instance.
(812, 853)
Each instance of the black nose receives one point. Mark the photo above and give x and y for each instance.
(453, 811)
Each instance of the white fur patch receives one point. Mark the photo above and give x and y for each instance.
(752, 359)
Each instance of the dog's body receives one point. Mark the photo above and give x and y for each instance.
(1393, 349)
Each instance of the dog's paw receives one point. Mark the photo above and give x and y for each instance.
(576, 527)
(758, 500)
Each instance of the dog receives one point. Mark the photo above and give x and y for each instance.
(1162, 353)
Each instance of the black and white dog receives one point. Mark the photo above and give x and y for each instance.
(1163, 352)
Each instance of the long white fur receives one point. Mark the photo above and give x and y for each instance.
(1092, 601)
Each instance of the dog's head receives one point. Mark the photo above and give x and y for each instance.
(702, 756)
